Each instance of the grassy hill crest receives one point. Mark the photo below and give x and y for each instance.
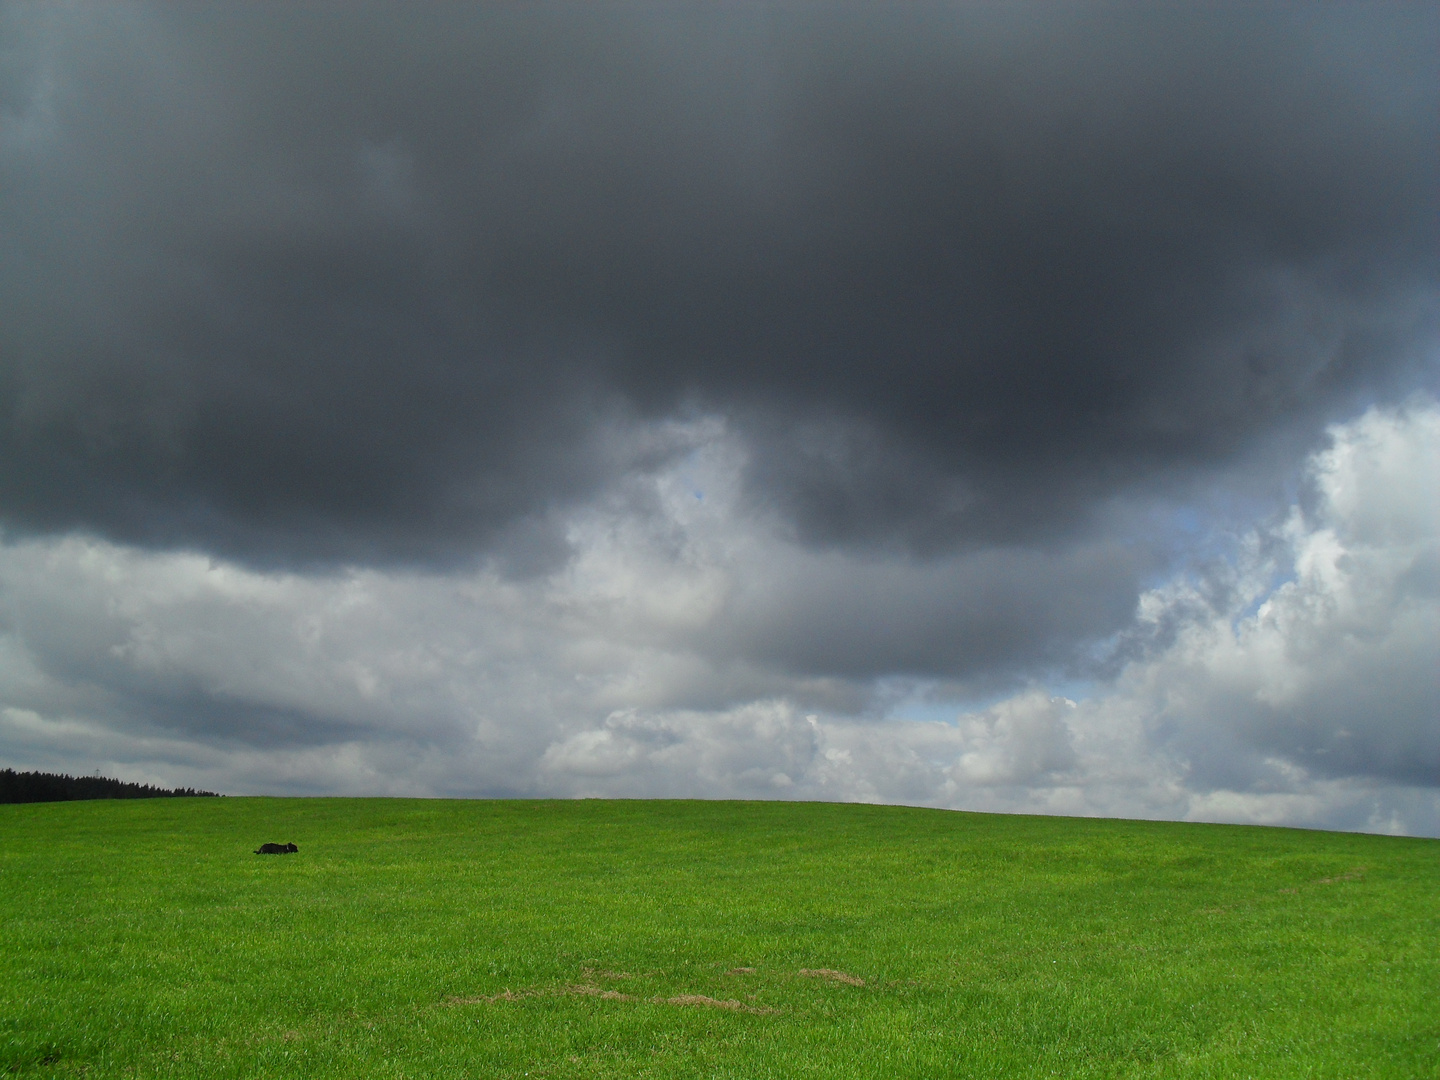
(436, 938)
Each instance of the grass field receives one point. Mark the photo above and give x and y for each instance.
(689, 939)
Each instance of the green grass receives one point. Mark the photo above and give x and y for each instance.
(548, 939)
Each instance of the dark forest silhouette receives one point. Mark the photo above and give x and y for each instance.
(27, 787)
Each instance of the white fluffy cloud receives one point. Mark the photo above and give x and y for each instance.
(1332, 674)
(686, 649)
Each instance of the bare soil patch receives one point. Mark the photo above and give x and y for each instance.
(833, 975)
(714, 1003)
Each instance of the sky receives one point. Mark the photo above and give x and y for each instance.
(1013, 407)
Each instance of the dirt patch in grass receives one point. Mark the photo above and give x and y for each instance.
(714, 1003)
(575, 989)
(833, 975)
(585, 990)
(592, 973)
(590, 990)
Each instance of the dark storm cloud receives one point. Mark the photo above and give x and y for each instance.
(386, 283)
(977, 618)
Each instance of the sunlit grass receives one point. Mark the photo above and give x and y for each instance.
(589, 939)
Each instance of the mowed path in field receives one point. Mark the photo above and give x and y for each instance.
(418, 938)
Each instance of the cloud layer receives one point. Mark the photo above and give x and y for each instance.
(1293, 682)
(990, 406)
(389, 287)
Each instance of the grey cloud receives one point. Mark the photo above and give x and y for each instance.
(391, 284)
(609, 400)
(985, 615)
(1307, 700)
(1332, 671)
(763, 749)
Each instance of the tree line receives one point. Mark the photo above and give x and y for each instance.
(29, 787)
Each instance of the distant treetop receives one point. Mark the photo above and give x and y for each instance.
(27, 787)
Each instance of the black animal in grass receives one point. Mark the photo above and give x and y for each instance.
(275, 849)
